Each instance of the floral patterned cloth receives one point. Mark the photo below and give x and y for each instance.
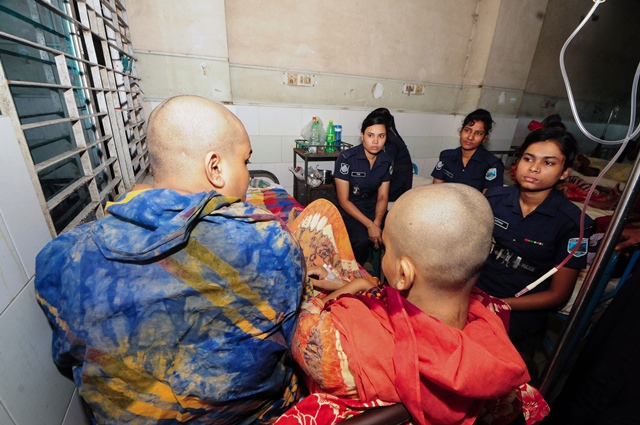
(335, 395)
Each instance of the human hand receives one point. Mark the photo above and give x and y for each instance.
(318, 271)
(324, 279)
(375, 235)
(293, 213)
(326, 285)
(629, 237)
(360, 284)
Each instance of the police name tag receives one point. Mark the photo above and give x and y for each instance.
(582, 250)
(500, 223)
(492, 173)
(448, 173)
(358, 174)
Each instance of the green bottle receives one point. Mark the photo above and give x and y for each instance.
(331, 138)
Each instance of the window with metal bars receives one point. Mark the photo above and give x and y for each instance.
(68, 82)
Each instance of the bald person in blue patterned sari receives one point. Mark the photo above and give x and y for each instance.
(180, 305)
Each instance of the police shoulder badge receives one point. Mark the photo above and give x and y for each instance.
(492, 173)
(344, 168)
(439, 165)
(582, 250)
(391, 169)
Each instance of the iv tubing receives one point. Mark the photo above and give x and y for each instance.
(630, 134)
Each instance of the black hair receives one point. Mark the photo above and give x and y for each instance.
(376, 117)
(565, 141)
(391, 121)
(553, 118)
(558, 125)
(481, 115)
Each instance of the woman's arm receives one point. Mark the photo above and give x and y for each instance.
(373, 226)
(562, 284)
(437, 181)
(382, 203)
(353, 287)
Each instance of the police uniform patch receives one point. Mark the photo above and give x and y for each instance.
(500, 223)
(439, 165)
(391, 169)
(492, 173)
(344, 168)
(582, 251)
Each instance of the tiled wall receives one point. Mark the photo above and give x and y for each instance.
(273, 130)
(32, 391)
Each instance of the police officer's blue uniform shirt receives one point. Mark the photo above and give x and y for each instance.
(531, 245)
(353, 166)
(483, 170)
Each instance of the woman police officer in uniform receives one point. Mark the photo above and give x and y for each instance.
(396, 148)
(535, 229)
(471, 163)
(362, 175)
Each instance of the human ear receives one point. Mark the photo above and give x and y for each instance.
(213, 169)
(407, 274)
(565, 174)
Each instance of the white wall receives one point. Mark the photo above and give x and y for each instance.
(272, 131)
(32, 391)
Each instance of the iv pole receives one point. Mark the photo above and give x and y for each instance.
(572, 331)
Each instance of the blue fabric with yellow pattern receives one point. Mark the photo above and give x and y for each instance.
(176, 309)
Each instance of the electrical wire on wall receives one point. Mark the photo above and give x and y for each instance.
(631, 133)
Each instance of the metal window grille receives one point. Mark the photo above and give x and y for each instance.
(68, 82)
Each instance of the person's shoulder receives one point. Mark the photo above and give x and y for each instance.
(449, 153)
(498, 191)
(384, 156)
(68, 240)
(68, 248)
(351, 152)
(488, 157)
(571, 211)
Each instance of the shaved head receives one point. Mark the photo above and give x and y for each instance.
(183, 129)
(445, 230)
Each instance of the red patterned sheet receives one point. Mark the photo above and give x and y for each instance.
(274, 199)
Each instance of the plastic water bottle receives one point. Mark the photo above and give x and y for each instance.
(338, 136)
(314, 138)
(331, 138)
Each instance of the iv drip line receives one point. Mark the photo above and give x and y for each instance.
(631, 133)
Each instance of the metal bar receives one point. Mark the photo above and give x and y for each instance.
(8, 108)
(6, 36)
(50, 85)
(571, 333)
(80, 218)
(68, 154)
(57, 159)
(60, 120)
(64, 194)
(60, 13)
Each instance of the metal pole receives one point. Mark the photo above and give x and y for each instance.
(571, 333)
